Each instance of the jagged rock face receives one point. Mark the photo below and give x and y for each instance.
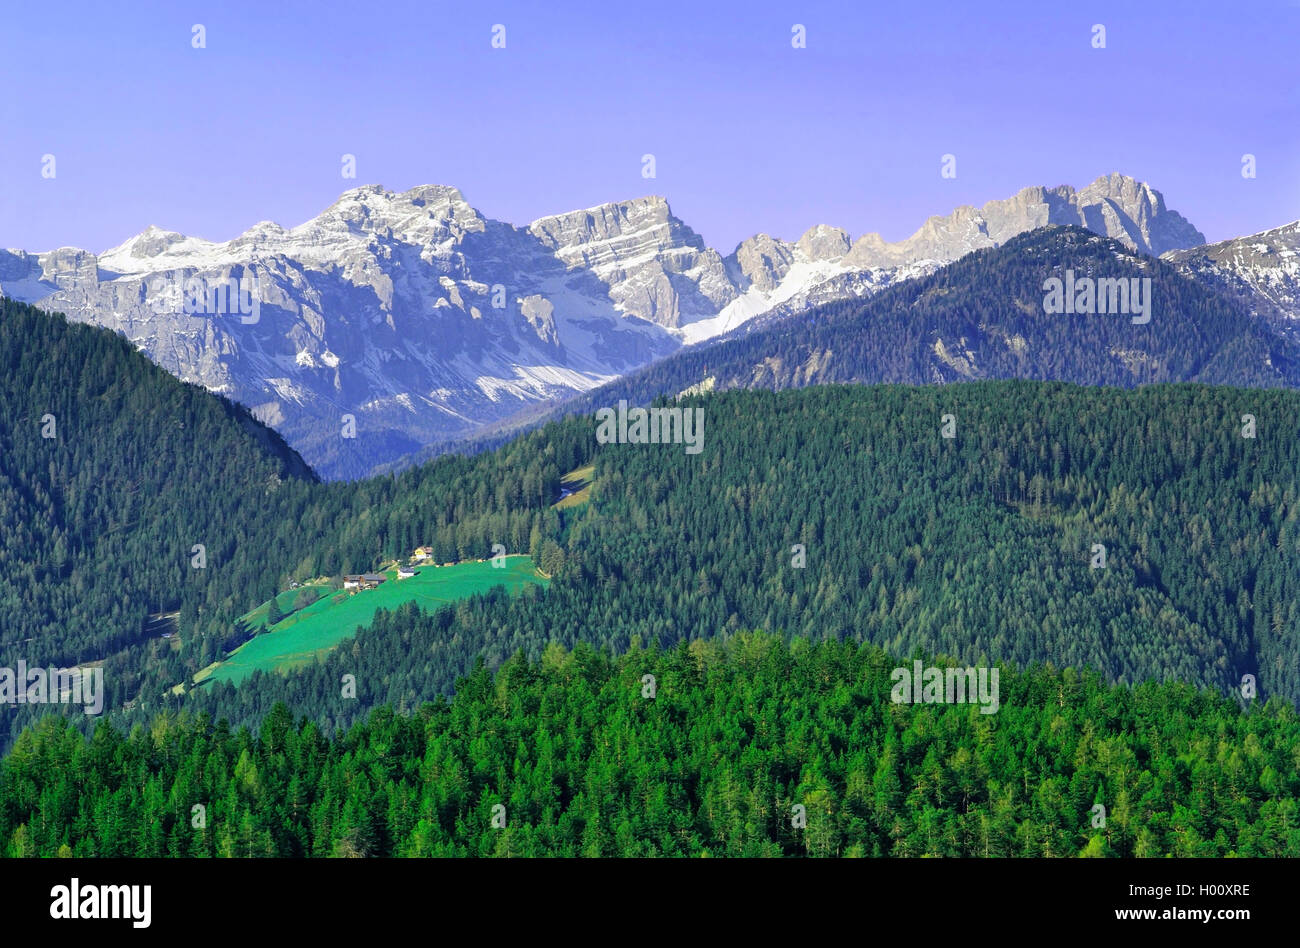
(411, 312)
(1262, 270)
(1114, 206)
(761, 261)
(424, 321)
(1148, 226)
(824, 243)
(652, 264)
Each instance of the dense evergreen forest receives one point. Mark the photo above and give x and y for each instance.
(980, 546)
(112, 471)
(572, 755)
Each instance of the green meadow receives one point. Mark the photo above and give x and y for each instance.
(302, 637)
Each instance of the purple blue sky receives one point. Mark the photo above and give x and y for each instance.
(750, 135)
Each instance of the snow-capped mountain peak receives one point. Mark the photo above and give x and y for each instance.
(424, 320)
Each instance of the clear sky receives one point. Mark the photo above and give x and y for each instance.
(749, 134)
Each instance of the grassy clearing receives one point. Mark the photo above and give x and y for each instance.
(578, 484)
(309, 634)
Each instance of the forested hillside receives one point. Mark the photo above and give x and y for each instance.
(980, 546)
(112, 472)
(572, 756)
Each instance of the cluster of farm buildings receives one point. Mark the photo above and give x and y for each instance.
(373, 580)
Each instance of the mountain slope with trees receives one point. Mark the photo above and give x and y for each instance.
(110, 472)
(980, 546)
(113, 473)
(983, 317)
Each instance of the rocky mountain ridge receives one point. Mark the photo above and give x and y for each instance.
(396, 319)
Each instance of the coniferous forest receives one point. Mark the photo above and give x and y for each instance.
(573, 756)
(980, 546)
(823, 536)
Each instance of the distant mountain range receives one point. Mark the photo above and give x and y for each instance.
(426, 321)
(983, 317)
